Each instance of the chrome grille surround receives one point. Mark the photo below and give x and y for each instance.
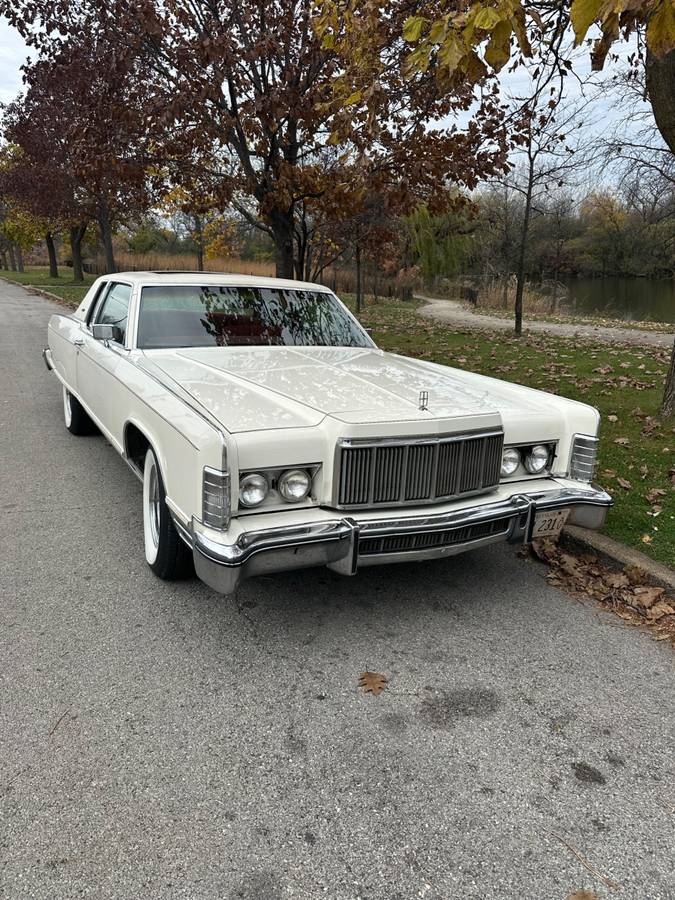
(583, 457)
(371, 472)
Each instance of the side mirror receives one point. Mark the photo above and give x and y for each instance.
(103, 332)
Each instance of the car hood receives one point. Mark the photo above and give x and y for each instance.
(259, 388)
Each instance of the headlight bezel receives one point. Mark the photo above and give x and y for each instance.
(274, 499)
(525, 449)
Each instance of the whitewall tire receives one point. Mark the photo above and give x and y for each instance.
(167, 555)
(151, 512)
(76, 419)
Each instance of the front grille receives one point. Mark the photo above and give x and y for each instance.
(405, 472)
(430, 540)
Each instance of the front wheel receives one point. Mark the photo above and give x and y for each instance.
(76, 419)
(166, 554)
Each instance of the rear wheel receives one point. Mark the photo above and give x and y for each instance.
(76, 419)
(166, 554)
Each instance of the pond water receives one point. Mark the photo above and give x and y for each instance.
(645, 299)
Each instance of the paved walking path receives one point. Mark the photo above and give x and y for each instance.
(453, 313)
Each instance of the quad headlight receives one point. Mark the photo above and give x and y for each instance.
(253, 488)
(294, 485)
(537, 459)
(276, 486)
(510, 462)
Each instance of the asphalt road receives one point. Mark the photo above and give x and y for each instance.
(157, 740)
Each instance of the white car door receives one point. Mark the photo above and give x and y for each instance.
(66, 336)
(98, 361)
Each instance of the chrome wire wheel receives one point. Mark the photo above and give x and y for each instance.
(152, 511)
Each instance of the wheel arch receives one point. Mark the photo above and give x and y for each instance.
(137, 440)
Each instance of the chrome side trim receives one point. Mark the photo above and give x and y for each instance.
(146, 366)
(132, 465)
(183, 531)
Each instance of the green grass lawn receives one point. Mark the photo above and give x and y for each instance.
(637, 450)
(63, 286)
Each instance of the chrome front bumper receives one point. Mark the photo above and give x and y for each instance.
(344, 543)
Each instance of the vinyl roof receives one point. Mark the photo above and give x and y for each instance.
(221, 278)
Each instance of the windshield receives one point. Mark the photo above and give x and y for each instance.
(219, 316)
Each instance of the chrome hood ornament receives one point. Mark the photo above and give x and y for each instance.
(424, 400)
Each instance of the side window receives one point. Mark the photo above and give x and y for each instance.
(96, 302)
(114, 310)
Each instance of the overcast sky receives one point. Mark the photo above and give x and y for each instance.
(12, 54)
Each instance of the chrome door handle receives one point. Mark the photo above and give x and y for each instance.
(78, 342)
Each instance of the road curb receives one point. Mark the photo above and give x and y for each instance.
(32, 288)
(616, 555)
(49, 296)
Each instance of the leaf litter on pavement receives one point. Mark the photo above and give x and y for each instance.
(372, 682)
(627, 593)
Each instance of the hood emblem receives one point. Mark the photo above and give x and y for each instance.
(424, 399)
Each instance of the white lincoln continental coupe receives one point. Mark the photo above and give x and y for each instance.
(270, 432)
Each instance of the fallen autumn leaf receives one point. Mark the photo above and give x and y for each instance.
(372, 682)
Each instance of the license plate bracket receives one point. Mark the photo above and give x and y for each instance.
(548, 523)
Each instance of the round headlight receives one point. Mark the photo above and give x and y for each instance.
(536, 459)
(510, 462)
(253, 489)
(294, 485)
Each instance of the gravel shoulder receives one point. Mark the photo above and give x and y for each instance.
(452, 312)
(157, 740)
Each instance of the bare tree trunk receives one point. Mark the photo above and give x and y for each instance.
(554, 302)
(357, 256)
(661, 89)
(668, 405)
(199, 242)
(19, 257)
(520, 271)
(282, 229)
(12, 258)
(51, 250)
(105, 230)
(76, 234)
(3, 259)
